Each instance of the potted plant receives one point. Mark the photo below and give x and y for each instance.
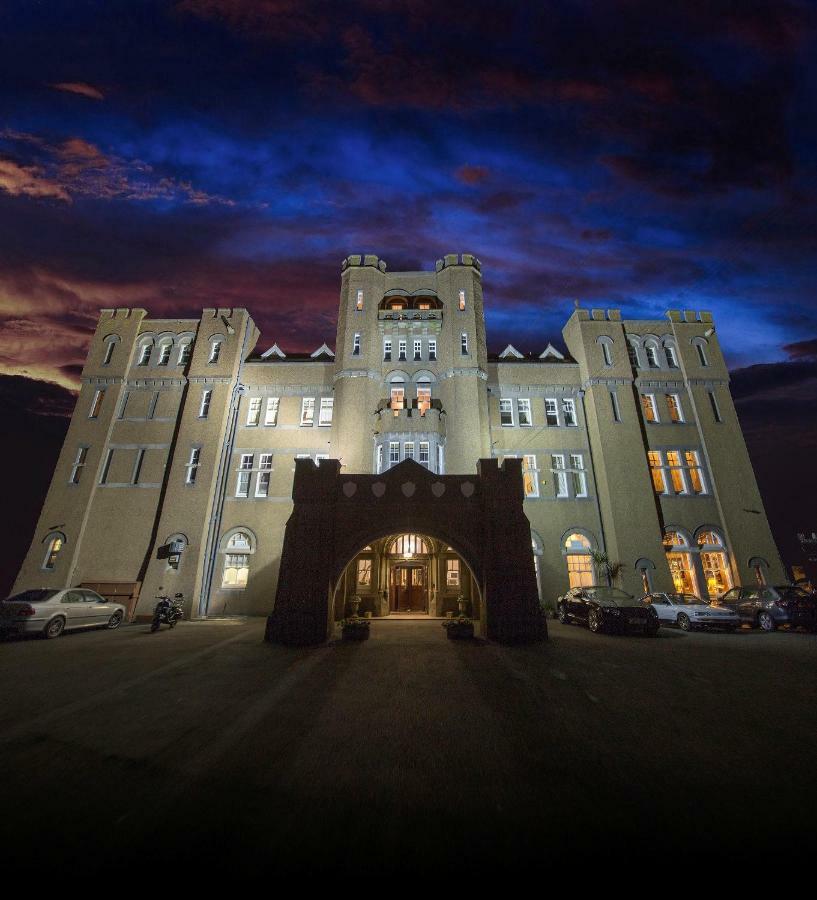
(355, 629)
(355, 605)
(459, 628)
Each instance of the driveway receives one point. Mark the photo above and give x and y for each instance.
(409, 749)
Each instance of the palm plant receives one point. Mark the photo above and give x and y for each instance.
(605, 567)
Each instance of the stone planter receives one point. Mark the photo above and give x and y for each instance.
(355, 632)
(460, 631)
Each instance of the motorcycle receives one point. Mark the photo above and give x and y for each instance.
(167, 611)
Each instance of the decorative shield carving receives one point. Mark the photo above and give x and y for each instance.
(467, 488)
(379, 488)
(408, 488)
(349, 488)
(438, 488)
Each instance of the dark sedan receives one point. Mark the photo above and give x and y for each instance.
(607, 609)
(769, 606)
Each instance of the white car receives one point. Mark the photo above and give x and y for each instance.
(50, 612)
(690, 613)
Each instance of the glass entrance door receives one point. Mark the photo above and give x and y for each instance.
(408, 589)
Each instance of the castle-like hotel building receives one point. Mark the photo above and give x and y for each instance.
(177, 470)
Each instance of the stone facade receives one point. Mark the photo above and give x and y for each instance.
(177, 470)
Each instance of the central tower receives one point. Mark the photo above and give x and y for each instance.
(410, 378)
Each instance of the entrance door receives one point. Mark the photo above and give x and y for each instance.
(408, 589)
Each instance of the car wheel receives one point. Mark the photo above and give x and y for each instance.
(765, 621)
(115, 620)
(684, 623)
(54, 628)
(561, 614)
(594, 621)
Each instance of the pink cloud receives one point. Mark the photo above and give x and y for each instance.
(79, 87)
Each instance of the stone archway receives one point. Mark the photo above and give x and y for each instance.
(335, 514)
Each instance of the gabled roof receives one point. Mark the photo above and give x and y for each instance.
(274, 350)
(510, 350)
(551, 351)
(323, 350)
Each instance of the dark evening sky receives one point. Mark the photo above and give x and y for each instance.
(175, 155)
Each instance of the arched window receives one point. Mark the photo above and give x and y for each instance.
(54, 542)
(397, 393)
(408, 545)
(715, 562)
(423, 394)
(671, 354)
(238, 547)
(185, 351)
(145, 350)
(645, 568)
(759, 565)
(606, 344)
(165, 349)
(576, 550)
(216, 343)
(632, 352)
(679, 560)
(110, 342)
(700, 345)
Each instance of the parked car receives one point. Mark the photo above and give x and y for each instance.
(604, 608)
(768, 606)
(690, 613)
(50, 612)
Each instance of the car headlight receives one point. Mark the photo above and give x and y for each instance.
(701, 612)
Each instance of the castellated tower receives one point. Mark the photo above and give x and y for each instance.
(411, 366)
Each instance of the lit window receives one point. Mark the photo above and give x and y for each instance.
(656, 470)
(359, 301)
(236, 564)
(424, 447)
(401, 351)
(462, 300)
(144, 354)
(397, 397)
(109, 348)
(557, 467)
(524, 412)
(356, 346)
(676, 472)
(242, 483)
(215, 352)
(579, 562)
(394, 452)
(96, 405)
(569, 411)
(551, 412)
(452, 573)
(164, 353)
(204, 408)
(326, 411)
(696, 475)
(408, 450)
(55, 544)
(264, 472)
(387, 350)
(652, 356)
(185, 351)
(307, 411)
(672, 358)
(579, 476)
(79, 464)
(271, 412)
(676, 413)
(432, 350)
(254, 411)
(418, 347)
(649, 407)
(424, 305)
(464, 344)
(506, 412)
(530, 475)
(408, 545)
(680, 563)
(423, 398)
(715, 564)
(193, 465)
(364, 572)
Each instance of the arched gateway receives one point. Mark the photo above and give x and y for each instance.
(480, 516)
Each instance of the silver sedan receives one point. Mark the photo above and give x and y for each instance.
(50, 612)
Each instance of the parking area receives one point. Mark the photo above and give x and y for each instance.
(266, 756)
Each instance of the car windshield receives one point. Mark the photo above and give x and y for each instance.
(35, 596)
(791, 589)
(612, 595)
(688, 599)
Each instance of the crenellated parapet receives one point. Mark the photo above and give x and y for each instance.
(362, 260)
(458, 259)
(690, 316)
